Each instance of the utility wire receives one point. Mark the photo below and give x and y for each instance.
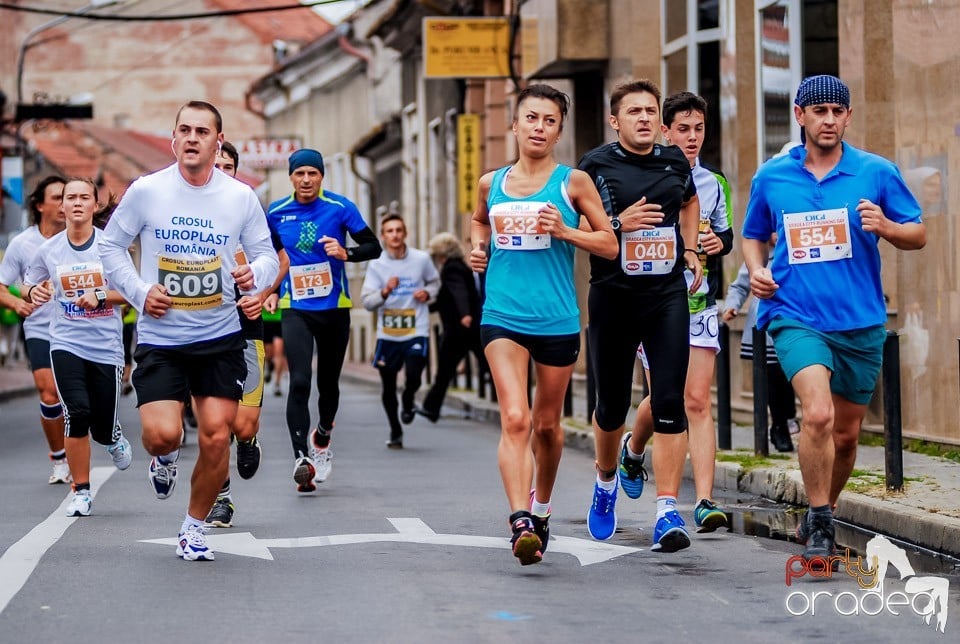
(161, 18)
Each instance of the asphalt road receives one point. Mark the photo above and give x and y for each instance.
(397, 546)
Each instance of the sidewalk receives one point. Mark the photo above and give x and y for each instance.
(926, 513)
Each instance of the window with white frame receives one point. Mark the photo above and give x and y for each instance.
(691, 31)
(795, 39)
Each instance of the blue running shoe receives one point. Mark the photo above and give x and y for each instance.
(602, 517)
(669, 535)
(632, 472)
(708, 516)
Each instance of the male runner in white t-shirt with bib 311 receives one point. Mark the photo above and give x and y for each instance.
(190, 220)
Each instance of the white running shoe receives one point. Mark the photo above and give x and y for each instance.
(303, 473)
(121, 453)
(162, 477)
(80, 504)
(61, 471)
(192, 545)
(322, 457)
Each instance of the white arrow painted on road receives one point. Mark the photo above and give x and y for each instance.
(410, 530)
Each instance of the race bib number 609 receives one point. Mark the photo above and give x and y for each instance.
(191, 284)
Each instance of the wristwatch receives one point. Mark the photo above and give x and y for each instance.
(101, 297)
(615, 222)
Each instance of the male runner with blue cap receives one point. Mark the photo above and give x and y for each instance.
(821, 296)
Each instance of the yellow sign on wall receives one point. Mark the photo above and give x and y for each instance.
(468, 161)
(466, 47)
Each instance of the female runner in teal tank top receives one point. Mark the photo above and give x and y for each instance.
(528, 215)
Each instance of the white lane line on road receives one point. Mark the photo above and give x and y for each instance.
(20, 559)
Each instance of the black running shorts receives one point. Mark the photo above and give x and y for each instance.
(210, 368)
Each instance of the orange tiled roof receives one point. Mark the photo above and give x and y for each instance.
(118, 156)
(300, 25)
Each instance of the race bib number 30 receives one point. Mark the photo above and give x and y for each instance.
(516, 226)
(192, 284)
(648, 252)
(818, 236)
(399, 322)
(310, 281)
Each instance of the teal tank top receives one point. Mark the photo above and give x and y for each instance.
(529, 284)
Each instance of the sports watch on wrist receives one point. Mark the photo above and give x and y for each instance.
(101, 297)
(615, 222)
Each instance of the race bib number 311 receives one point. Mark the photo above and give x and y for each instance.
(817, 236)
(192, 284)
(516, 226)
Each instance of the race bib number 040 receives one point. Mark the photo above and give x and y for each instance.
(399, 322)
(310, 281)
(516, 226)
(192, 284)
(818, 236)
(648, 252)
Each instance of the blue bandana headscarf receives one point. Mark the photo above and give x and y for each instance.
(816, 90)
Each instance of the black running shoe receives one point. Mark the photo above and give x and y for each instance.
(432, 416)
(524, 541)
(395, 443)
(221, 514)
(820, 537)
(406, 416)
(541, 528)
(248, 457)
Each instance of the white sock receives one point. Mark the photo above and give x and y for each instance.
(633, 455)
(540, 509)
(189, 523)
(172, 457)
(666, 504)
(609, 486)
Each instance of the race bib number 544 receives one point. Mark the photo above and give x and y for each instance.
(192, 284)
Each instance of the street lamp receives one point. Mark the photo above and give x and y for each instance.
(26, 44)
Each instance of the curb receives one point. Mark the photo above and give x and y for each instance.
(919, 527)
(10, 394)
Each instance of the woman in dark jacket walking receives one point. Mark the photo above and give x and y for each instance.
(459, 307)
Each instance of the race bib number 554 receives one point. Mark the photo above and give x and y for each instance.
(818, 236)
(192, 284)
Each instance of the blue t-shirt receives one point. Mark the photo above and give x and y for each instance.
(316, 282)
(845, 293)
(530, 291)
